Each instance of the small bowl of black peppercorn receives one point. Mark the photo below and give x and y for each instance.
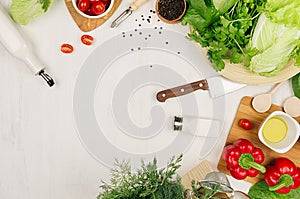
(170, 11)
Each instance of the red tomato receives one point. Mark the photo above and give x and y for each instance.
(83, 5)
(106, 3)
(87, 40)
(94, 1)
(245, 124)
(98, 8)
(66, 48)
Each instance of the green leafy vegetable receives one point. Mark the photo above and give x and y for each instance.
(223, 5)
(200, 14)
(296, 53)
(24, 10)
(263, 35)
(224, 28)
(149, 182)
(286, 12)
(275, 43)
(296, 85)
(261, 191)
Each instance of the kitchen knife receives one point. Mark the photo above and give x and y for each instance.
(13, 41)
(133, 6)
(217, 86)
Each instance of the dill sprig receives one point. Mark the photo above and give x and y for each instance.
(149, 182)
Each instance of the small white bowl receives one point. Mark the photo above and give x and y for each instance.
(74, 2)
(291, 137)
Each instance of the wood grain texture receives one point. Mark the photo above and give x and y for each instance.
(86, 24)
(245, 110)
(197, 173)
(181, 90)
(239, 73)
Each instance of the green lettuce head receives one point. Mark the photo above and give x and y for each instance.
(286, 12)
(24, 10)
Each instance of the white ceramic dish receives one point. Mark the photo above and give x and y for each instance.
(74, 2)
(292, 135)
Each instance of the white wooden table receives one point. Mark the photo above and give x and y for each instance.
(41, 155)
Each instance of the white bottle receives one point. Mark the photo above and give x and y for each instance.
(14, 42)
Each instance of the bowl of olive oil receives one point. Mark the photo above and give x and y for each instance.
(279, 131)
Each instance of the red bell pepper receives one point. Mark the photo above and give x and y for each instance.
(243, 159)
(283, 176)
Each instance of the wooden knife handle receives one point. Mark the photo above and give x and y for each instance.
(162, 96)
(137, 3)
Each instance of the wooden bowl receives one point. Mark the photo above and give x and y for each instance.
(164, 7)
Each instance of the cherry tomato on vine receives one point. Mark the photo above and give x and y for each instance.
(87, 40)
(245, 124)
(66, 48)
(83, 5)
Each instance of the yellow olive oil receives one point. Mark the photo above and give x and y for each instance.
(275, 129)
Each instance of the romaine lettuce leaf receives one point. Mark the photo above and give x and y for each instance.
(265, 33)
(286, 12)
(276, 44)
(24, 10)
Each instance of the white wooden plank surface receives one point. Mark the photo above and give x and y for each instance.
(40, 152)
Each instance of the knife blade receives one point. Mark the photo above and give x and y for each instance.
(217, 86)
(124, 15)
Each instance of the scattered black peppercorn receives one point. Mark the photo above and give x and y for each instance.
(171, 9)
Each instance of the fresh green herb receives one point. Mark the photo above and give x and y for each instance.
(261, 191)
(263, 35)
(296, 85)
(24, 10)
(149, 182)
(225, 32)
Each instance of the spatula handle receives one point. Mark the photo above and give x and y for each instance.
(137, 3)
(276, 87)
(162, 96)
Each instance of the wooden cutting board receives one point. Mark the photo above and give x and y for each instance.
(245, 110)
(86, 24)
(197, 173)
